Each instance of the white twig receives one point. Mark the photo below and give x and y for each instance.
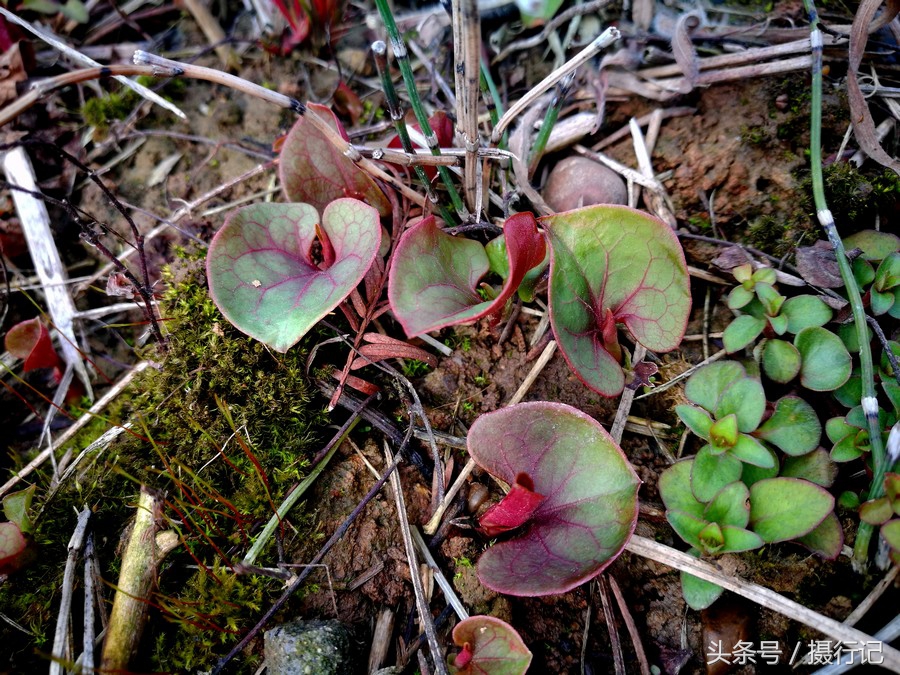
(65, 604)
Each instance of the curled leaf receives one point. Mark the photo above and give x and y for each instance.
(30, 341)
(314, 171)
(613, 263)
(514, 510)
(434, 276)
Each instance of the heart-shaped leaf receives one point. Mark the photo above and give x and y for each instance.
(313, 171)
(781, 360)
(787, 508)
(262, 274)
(490, 647)
(609, 265)
(875, 245)
(591, 496)
(706, 385)
(30, 341)
(434, 276)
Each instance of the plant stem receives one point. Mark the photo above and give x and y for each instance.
(543, 134)
(379, 49)
(402, 56)
(869, 398)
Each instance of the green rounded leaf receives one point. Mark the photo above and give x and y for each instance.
(751, 451)
(739, 296)
(696, 419)
(742, 332)
(816, 467)
(804, 311)
(746, 399)
(608, 265)
(314, 171)
(826, 540)
(730, 506)
(675, 489)
(688, 527)
(262, 275)
(738, 539)
(699, 593)
(590, 508)
(874, 244)
(490, 647)
(826, 362)
(891, 534)
(786, 508)
(711, 472)
(706, 385)
(793, 427)
(780, 360)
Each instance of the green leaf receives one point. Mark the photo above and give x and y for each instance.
(749, 450)
(837, 428)
(15, 507)
(738, 539)
(696, 419)
(742, 332)
(706, 385)
(751, 474)
(746, 399)
(711, 472)
(826, 540)
(816, 467)
(771, 299)
(793, 427)
(786, 508)
(847, 448)
(804, 311)
(780, 360)
(675, 489)
(262, 275)
(739, 297)
(730, 506)
(875, 245)
(849, 394)
(891, 534)
(863, 272)
(847, 333)
(699, 593)
(826, 362)
(76, 11)
(609, 265)
(723, 434)
(687, 527)
(881, 302)
(711, 538)
(779, 324)
(876, 511)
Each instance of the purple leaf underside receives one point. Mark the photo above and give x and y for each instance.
(590, 508)
(262, 275)
(314, 172)
(434, 276)
(608, 265)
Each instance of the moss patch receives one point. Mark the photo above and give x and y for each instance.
(224, 428)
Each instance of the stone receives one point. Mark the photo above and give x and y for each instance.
(579, 181)
(308, 648)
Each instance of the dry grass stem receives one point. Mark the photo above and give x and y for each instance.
(765, 597)
(61, 642)
(213, 33)
(467, 57)
(79, 424)
(611, 626)
(437, 654)
(630, 626)
(78, 57)
(599, 43)
(446, 587)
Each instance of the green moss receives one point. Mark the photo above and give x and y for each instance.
(224, 427)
